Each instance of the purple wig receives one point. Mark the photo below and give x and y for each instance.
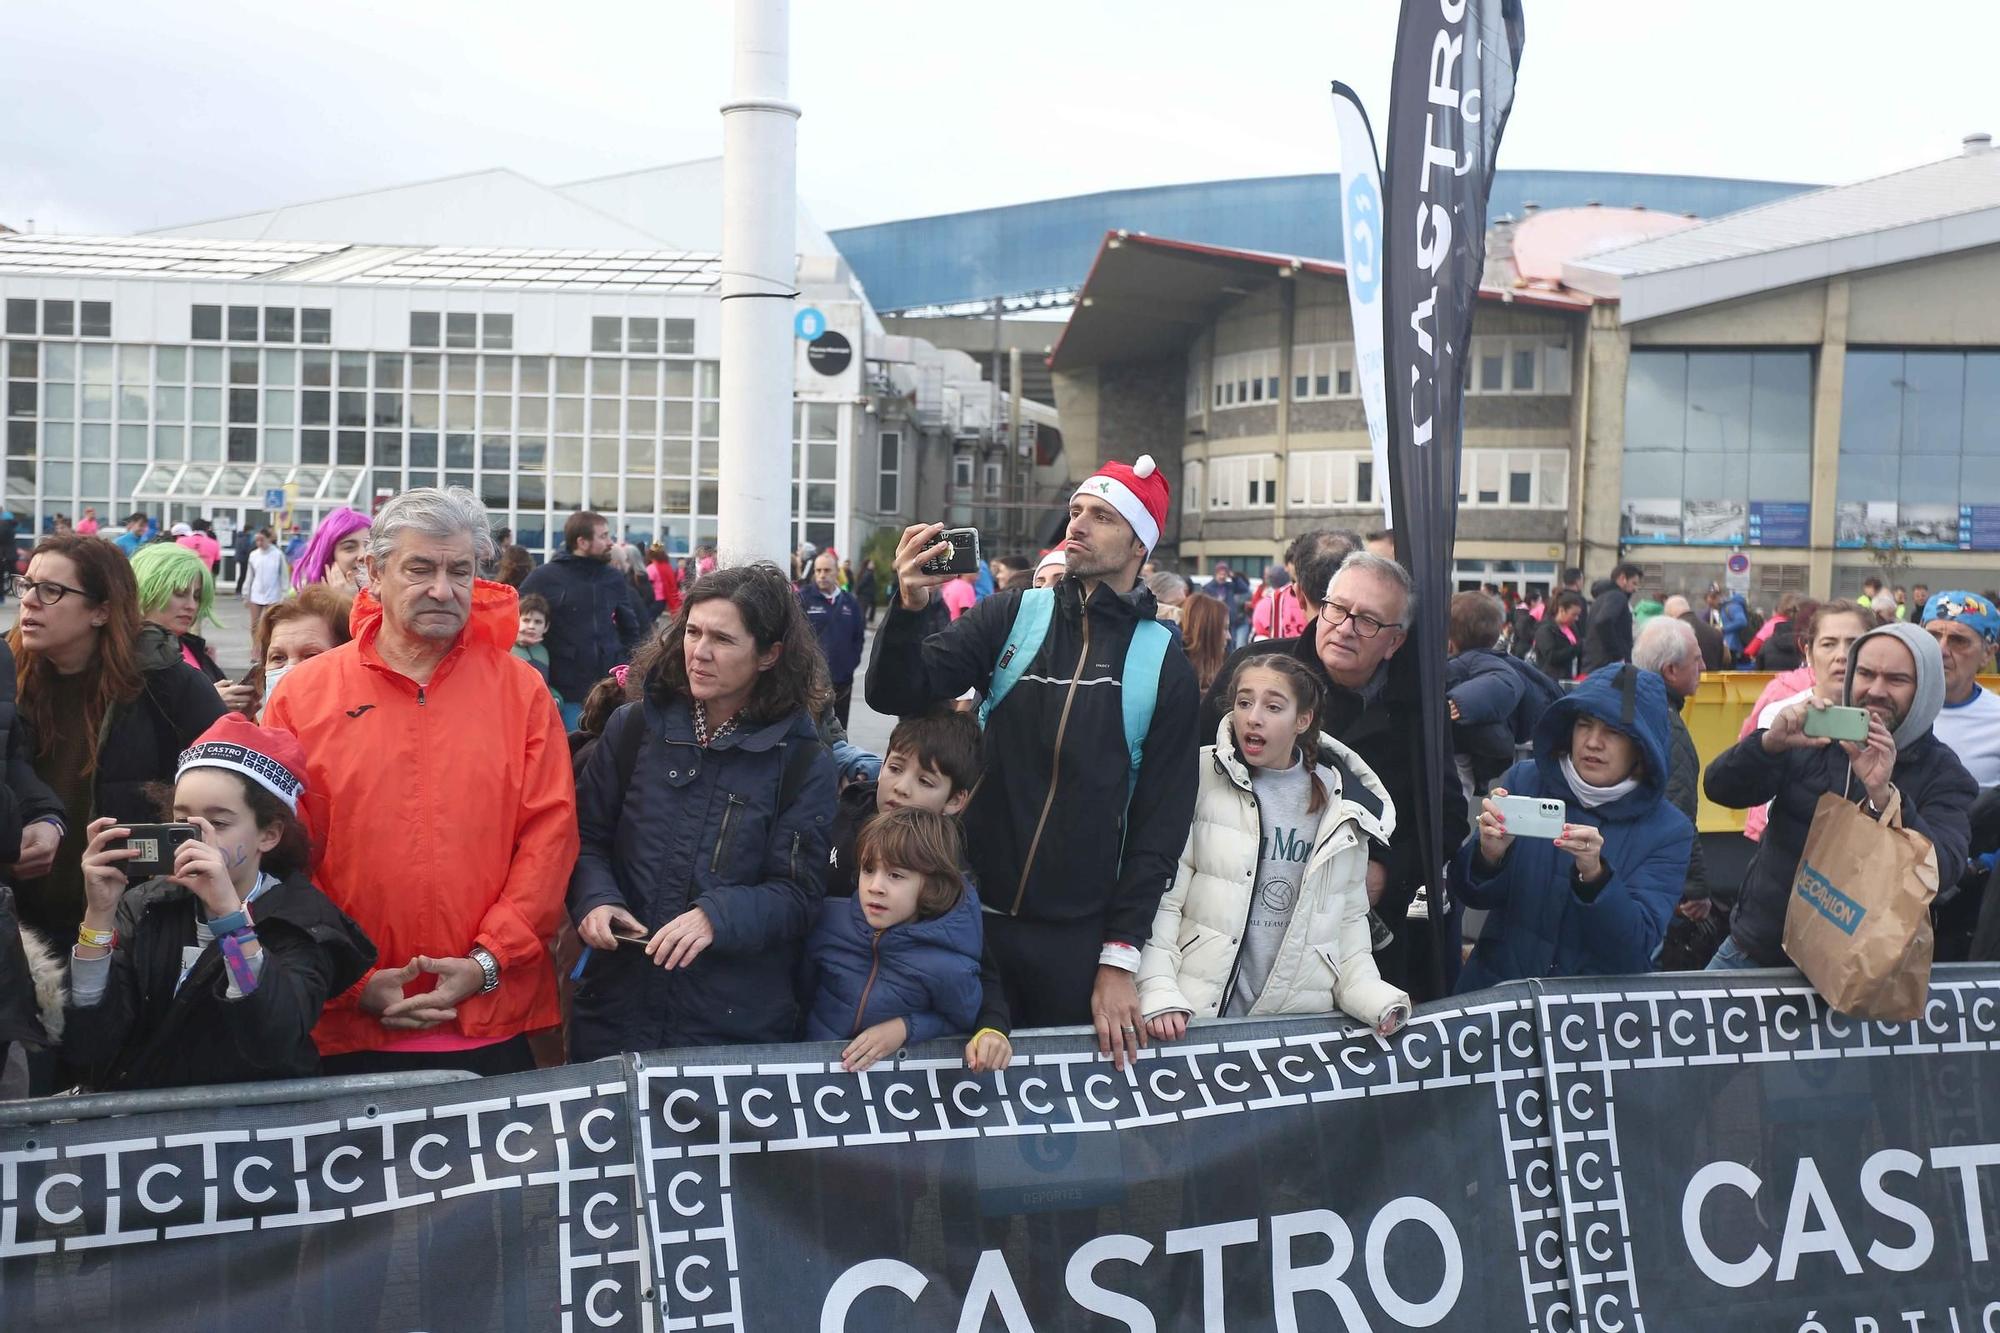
(313, 561)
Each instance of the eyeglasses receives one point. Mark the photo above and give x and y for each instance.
(1335, 615)
(48, 592)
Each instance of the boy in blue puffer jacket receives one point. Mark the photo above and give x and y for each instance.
(897, 963)
(1496, 700)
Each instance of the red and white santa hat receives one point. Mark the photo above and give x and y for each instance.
(274, 760)
(1137, 491)
(1053, 557)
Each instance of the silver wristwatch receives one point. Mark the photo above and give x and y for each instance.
(489, 968)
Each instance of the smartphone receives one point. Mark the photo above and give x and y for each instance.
(1841, 724)
(624, 937)
(156, 845)
(963, 557)
(1531, 816)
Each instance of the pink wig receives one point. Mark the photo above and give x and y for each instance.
(318, 555)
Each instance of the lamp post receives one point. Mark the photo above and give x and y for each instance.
(759, 275)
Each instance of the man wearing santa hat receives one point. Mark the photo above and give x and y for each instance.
(1070, 845)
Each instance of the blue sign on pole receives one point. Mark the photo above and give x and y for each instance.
(809, 323)
(274, 498)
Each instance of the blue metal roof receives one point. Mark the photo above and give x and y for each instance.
(1039, 246)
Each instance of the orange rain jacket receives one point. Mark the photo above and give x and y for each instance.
(443, 815)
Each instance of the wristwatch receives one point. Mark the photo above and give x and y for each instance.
(237, 920)
(489, 968)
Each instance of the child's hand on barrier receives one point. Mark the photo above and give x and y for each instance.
(1170, 1026)
(883, 1039)
(988, 1050)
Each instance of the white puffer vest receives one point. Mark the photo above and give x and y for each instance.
(1325, 961)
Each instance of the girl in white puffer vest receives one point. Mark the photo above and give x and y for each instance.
(1269, 914)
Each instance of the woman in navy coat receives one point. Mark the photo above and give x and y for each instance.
(1597, 899)
(704, 813)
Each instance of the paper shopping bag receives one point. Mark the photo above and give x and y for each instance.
(1859, 920)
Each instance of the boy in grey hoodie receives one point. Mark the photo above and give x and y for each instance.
(1896, 672)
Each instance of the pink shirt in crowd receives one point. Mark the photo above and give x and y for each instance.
(1782, 686)
(959, 596)
(1290, 615)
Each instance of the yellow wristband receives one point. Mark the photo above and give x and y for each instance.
(995, 1031)
(95, 939)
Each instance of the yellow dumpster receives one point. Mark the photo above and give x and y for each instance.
(1715, 716)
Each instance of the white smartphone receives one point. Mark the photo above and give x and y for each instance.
(1531, 816)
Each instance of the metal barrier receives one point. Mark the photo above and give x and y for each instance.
(98, 1105)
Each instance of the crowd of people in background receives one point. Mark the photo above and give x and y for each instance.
(466, 810)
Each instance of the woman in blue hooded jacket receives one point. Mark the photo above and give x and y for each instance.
(704, 811)
(1597, 899)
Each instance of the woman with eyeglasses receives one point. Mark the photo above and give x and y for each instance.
(109, 703)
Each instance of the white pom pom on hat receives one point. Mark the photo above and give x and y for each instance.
(1145, 467)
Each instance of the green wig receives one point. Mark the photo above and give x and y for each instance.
(163, 569)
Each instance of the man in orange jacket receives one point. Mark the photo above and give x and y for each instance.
(445, 813)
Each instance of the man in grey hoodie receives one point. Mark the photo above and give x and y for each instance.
(1897, 674)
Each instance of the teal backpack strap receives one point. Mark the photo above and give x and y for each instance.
(1145, 656)
(1024, 640)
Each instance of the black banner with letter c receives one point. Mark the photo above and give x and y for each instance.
(1676, 1151)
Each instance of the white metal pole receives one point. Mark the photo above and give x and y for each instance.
(759, 273)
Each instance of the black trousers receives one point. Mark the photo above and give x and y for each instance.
(1046, 971)
(511, 1056)
(843, 700)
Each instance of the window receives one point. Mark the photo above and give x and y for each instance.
(1322, 370)
(1246, 379)
(316, 326)
(1329, 479)
(58, 319)
(1244, 481)
(96, 322)
(424, 328)
(1191, 492)
(21, 316)
(280, 325)
(1197, 363)
(243, 323)
(204, 324)
(961, 470)
(642, 336)
(496, 332)
(989, 478)
(461, 329)
(889, 485)
(1714, 440)
(1514, 479)
(1522, 365)
(606, 334)
(677, 339)
(1919, 449)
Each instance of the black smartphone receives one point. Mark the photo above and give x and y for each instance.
(963, 558)
(624, 937)
(156, 845)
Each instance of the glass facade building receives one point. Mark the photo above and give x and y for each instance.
(544, 381)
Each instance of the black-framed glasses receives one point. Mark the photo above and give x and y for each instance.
(1367, 626)
(48, 592)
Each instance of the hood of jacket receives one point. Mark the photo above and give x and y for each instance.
(1929, 699)
(958, 931)
(1628, 699)
(495, 618)
(156, 648)
(1354, 782)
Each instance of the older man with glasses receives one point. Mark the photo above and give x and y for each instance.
(1352, 642)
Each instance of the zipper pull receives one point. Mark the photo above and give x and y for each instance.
(420, 696)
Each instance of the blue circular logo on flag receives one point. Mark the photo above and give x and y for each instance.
(1362, 213)
(809, 323)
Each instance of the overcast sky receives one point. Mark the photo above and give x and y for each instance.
(119, 115)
